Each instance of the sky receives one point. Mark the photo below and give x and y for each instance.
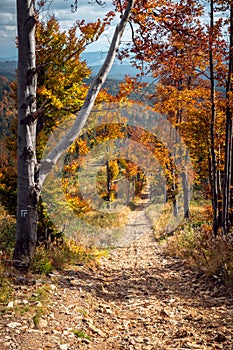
(87, 9)
(7, 28)
(61, 9)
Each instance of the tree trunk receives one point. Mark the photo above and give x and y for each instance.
(27, 189)
(185, 194)
(214, 186)
(227, 189)
(108, 177)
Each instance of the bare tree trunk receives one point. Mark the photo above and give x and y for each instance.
(185, 186)
(214, 186)
(27, 190)
(108, 177)
(184, 175)
(227, 189)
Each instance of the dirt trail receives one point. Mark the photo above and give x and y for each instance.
(137, 299)
(138, 222)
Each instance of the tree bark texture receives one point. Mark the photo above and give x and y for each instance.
(213, 169)
(227, 184)
(27, 187)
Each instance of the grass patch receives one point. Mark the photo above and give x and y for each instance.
(36, 320)
(106, 219)
(41, 294)
(36, 302)
(6, 289)
(80, 334)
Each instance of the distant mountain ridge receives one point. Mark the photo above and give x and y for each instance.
(93, 59)
(119, 69)
(8, 59)
(8, 69)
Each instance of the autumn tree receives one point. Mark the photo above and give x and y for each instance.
(188, 57)
(227, 216)
(220, 77)
(61, 72)
(7, 149)
(166, 46)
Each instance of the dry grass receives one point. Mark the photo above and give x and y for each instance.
(194, 241)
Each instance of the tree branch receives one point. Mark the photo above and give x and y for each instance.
(52, 158)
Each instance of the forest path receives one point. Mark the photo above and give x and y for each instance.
(138, 223)
(136, 299)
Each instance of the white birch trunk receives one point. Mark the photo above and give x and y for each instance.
(27, 191)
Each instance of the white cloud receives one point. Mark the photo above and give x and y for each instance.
(8, 6)
(62, 10)
(7, 19)
(88, 11)
(7, 28)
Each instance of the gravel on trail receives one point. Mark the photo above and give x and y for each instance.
(138, 298)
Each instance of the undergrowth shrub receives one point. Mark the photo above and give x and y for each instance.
(41, 263)
(209, 254)
(7, 242)
(57, 258)
(6, 290)
(7, 235)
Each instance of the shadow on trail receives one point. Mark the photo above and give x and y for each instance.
(173, 280)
